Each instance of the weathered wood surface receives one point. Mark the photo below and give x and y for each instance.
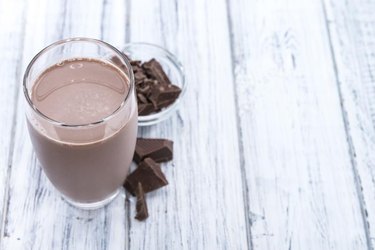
(11, 46)
(301, 185)
(203, 206)
(352, 31)
(274, 142)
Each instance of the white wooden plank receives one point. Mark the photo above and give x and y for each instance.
(202, 207)
(11, 46)
(36, 216)
(296, 156)
(352, 30)
(113, 23)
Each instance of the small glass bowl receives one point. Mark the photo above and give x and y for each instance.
(172, 67)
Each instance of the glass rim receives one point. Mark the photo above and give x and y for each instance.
(72, 40)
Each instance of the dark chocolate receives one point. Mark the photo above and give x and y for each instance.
(141, 205)
(165, 103)
(141, 98)
(155, 70)
(135, 63)
(144, 89)
(145, 108)
(161, 94)
(160, 150)
(153, 87)
(139, 76)
(149, 174)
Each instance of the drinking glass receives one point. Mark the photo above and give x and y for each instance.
(87, 163)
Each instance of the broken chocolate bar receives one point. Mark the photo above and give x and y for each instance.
(164, 93)
(149, 174)
(155, 70)
(145, 108)
(160, 150)
(135, 63)
(139, 77)
(141, 205)
(154, 89)
(165, 103)
(142, 98)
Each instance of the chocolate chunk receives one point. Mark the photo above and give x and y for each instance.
(160, 150)
(145, 108)
(141, 98)
(153, 87)
(165, 103)
(135, 63)
(155, 70)
(149, 174)
(164, 94)
(139, 76)
(153, 102)
(151, 82)
(145, 89)
(137, 68)
(141, 205)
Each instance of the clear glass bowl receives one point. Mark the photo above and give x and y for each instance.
(172, 67)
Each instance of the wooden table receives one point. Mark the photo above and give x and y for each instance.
(274, 142)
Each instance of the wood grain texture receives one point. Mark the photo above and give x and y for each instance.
(298, 168)
(202, 207)
(352, 31)
(185, 215)
(274, 142)
(11, 46)
(36, 216)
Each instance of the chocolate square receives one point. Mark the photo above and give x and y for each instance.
(155, 70)
(149, 174)
(141, 205)
(160, 150)
(145, 108)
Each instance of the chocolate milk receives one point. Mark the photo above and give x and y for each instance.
(87, 163)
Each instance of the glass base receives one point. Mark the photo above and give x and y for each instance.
(93, 205)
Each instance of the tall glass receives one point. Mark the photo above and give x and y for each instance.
(86, 162)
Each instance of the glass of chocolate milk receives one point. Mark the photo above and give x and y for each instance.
(82, 118)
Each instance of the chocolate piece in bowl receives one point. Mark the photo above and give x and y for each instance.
(160, 150)
(145, 108)
(163, 95)
(141, 205)
(144, 89)
(165, 103)
(153, 87)
(149, 174)
(139, 77)
(142, 98)
(155, 70)
(135, 64)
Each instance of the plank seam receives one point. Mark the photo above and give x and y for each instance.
(245, 191)
(103, 15)
(127, 222)
(127, 20)
(12, 143)
(356, 176)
